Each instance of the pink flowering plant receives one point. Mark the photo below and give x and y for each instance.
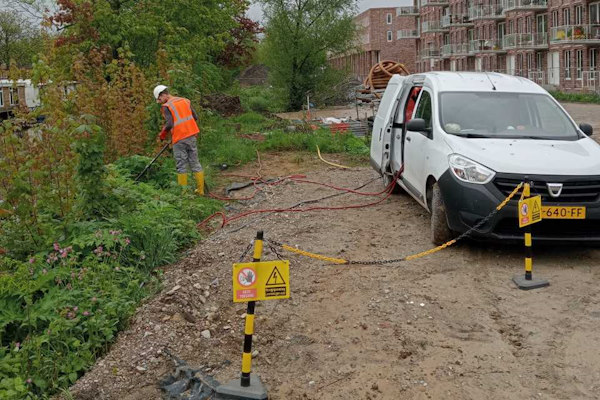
(59, 309)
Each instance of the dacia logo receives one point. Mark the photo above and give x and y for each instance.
(554, 189)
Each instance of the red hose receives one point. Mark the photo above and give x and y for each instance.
(388, 191)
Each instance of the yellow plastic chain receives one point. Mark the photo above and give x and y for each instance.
(408, 258)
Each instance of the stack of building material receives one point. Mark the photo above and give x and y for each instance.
(380, 75)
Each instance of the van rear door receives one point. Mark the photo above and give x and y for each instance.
(381, 137)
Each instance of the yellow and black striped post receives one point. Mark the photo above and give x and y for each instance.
(527, 282)
(528, 255)
(528, 251)
(249, 327)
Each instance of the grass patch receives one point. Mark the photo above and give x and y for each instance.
(591, 98)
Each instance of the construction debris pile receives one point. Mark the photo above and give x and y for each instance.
(377, 80)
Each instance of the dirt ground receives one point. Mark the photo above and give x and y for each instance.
(448, 326)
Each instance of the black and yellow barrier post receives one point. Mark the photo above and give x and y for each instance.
(255, 281)
(249, 326)
(530, 212)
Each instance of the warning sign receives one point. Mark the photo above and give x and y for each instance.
(530, 211)
(265, 280)
(275, 278)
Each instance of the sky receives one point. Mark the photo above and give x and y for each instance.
(255, 11)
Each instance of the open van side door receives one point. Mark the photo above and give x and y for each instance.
(381, 137)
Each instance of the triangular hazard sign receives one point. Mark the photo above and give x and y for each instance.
(275, 279)
(536, 207)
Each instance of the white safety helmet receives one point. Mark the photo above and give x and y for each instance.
(158, 90)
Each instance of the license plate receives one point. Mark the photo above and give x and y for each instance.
(549, 212)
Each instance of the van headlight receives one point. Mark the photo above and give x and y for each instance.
(469, 171)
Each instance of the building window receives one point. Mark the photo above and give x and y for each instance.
(579, 63)
(389, 36)
(511, 26)
(593, 54)
(528, 25)
(595, 13)
(530, 65)
(578, 15)
(567, 64)
(389, 18)
(501, 30)
(566, 16)
(14, 96)
(542, 24)
(540, 61)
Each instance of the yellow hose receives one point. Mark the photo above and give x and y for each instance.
(330, 163)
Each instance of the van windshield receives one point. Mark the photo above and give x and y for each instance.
(504, 115)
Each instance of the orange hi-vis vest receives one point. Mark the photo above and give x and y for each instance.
(184, 124)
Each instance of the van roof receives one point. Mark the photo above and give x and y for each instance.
(445, 81)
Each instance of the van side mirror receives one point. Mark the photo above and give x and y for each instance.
(418, 125)
(586, 128)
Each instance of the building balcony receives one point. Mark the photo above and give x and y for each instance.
(429, 53)
(486, 12)
(537, 76)
(408, 34)
(486, 46)
(575, 34)
(591, 79)
(525, 5)
(456, 50)
(449, 21)
(435, 3)
(407, 11)
(432, 26)
(526, 41)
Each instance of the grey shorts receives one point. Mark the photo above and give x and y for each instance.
(185, 153)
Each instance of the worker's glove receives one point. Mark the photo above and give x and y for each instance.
(163, 134)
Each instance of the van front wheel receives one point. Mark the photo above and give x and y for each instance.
(440, 232)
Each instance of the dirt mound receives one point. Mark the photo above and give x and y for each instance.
(225, 105)
(254, 75)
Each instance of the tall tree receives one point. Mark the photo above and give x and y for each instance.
(300, 35)
(18, 41)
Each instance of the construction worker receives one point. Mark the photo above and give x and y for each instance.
(181, 120)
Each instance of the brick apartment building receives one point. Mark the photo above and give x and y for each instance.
(552, 42)
(386, 34)
(555, 43)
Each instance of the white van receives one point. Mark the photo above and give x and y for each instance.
(472, 138)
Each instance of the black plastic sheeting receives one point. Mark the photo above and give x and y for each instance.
(187, 383)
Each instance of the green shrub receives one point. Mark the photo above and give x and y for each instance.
(261, 99)
(258, 104)
(59, 311)
(593, 98)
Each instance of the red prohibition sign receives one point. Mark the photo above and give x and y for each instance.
(247, 277)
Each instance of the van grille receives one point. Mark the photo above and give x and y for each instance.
(575, 189)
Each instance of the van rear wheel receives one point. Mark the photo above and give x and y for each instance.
(387, 179)
(440, 232)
